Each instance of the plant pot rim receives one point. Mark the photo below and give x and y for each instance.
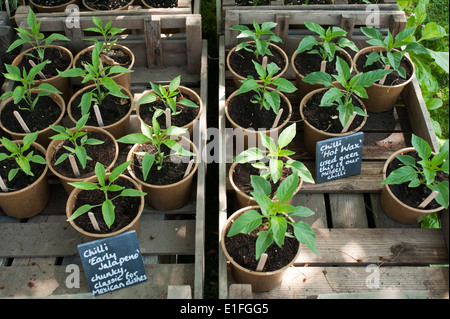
(345, 53)
(181, 88)
(241, 77)
(190, 175)
(121, 8)
(380, 48)
(41, 177)
(388, 189)
(55, 97)
(309, 95)
(252, 130)
(53, 7)
(21, 55)
(55, 145)
(76, 191)
(106, 127)
(263, 274)
(247, 197)
(115, 46)
(144, 3)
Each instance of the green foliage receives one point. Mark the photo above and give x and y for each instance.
(259, 35)
(17, 151)
(35, 38)
(106, 186)
(342, 98)
(169, 97)
(74, 138)
(273, 156)
(101, 76)
(424, 171)
(275, 216)
(107, 31)
(157, 138)
(269, 99)
(327, 46)
(23, 92)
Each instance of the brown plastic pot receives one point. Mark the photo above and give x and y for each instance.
(30, 200)
(237, 78)
(134, 225)
(260, 281)
(244, 200)
(396, 209)
(193, 96)
(247, 137)
(121, 79)
(55, 145)
(304, 88)
(172, 196)
(312, 135)
(44, 134)
(118, 128)
(48, 9)
(382, 97)
(125, 7)
(64, 85)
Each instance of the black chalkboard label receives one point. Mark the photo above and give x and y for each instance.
(112, 263)
(339, 157)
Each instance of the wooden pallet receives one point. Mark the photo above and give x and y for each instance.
(33, 264)
(352, 230)
(222, 6)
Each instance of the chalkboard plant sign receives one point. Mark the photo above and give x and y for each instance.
(260, 107)
(24, 189)
(387, 53)
(260, 47)
(74, 152)
(273, 164)
(106, 204)
(337, 109)
(313, 55)
(164, 162)
(262, 241)
(415, 182)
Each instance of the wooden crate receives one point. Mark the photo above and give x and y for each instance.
(33, 264)
(352, 230)
(222, 6)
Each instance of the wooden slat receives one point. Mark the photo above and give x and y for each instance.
(60, 239)
(399, 246)
(51, 280)
(310, 282)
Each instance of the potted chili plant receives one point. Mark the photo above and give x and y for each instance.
(335, 111)
(253, 161)
(115, 103)
(24, 190)
(314, 55)
(262, 107)
(266, 229)
(107, 5)
(73, 153)
(114, 199)
(160, 4)
(386, 53)
(28, 109)
(184, 104)
(47, 6)
(161, 164)
(238, 59)
(111, 53)
(415, 182)
(42, 50)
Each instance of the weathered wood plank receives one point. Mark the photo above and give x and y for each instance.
(348, 211)
(60, 239)
(397, 246)
(43, 281)
(309, 282)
